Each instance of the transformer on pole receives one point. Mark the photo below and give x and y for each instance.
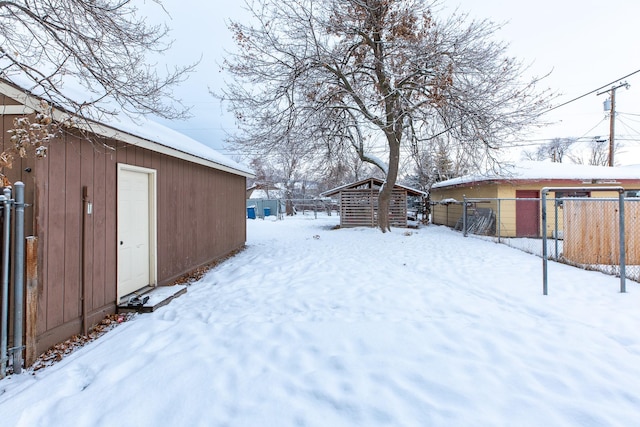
(610, 105)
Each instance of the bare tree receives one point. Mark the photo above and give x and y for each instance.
(290, 157)
(554, 150)
(537, 154)
(265, 175)
(77, 54)
(375, 73)
(596, 153)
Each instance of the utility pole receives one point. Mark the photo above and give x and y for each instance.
(612, 117)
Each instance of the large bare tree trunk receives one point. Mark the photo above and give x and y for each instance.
(384, 198)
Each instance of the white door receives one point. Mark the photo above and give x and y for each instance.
(135, 231)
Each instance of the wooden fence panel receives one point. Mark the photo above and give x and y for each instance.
(591, 232)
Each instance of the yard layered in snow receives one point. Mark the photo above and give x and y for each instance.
(311, 326)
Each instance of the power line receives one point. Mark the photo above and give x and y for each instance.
(627, 126)
(528, 142)
(631, 117)
(593, 91)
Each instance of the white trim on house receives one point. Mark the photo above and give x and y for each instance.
(12, 110)
(32, 103)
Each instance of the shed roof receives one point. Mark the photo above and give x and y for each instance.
(141, 132)
(548, 171)
(371, 183)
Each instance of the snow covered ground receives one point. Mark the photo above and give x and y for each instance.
(311, 326)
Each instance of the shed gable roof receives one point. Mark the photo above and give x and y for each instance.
(142, 132)
(371, 182)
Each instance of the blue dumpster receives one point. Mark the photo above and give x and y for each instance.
(251, 212)
(267, 211)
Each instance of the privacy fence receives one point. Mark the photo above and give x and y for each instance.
(596, 233)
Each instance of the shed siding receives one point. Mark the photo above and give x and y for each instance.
(200, 218)
(359, 208)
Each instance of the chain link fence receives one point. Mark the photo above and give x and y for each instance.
(581, 231)
(261, 208)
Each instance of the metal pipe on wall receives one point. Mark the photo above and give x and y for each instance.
(5, 199)
(18, 278)
(86, 203)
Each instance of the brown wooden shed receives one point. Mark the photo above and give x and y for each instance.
(139, 205)
(359, 203)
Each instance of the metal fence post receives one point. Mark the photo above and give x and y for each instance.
(18, 278)
(6, 240)
(555, 204)
(620, 191)
(499, 220)
(623, 252)
(544, 242)
(464, 216)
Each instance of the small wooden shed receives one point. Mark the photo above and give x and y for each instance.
(135, 205)
(359, 203)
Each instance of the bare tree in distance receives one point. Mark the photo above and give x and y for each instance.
(337, 169)
(555, 150)
(595, 154)
(437, 160)
(76, 54)
(265, 175)
(375, 73)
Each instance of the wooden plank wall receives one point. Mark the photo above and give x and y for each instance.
(201, 217)
(358, 208)
(446, 214)
(591, 232)
(20, 170)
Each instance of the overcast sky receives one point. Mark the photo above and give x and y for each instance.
(584, 44)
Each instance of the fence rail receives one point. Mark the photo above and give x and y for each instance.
(279, 207)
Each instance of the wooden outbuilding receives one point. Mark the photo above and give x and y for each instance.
(359, 203)
(116, 208)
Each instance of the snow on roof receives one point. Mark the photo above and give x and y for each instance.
(122, 127)
(372, 181)
(539, 171)
(265, 195)
(155, 132)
